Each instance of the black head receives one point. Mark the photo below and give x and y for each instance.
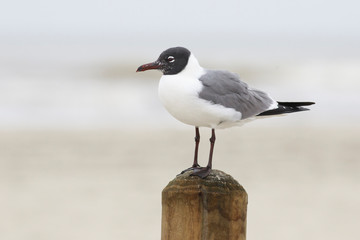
(171, 61)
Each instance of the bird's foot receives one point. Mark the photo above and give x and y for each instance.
(202, 172)
(192, 168)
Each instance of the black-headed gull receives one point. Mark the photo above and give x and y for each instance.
(210, 98)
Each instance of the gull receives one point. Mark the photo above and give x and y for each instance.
(215, 99)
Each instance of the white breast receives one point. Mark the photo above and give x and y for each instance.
(179, 94)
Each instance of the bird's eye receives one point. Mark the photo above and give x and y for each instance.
(170, 59)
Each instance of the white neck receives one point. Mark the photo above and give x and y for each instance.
(192, 68)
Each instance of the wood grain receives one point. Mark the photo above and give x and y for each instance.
(206, 209)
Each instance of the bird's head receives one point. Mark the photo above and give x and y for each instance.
(171, 61)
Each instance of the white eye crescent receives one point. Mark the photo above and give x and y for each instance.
(170, 59)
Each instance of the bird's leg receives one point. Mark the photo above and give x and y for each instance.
(212, 144)
(197, 141)
(205, 171)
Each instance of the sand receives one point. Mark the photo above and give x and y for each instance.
(303, 183)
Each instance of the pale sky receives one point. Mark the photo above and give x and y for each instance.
(111, 17)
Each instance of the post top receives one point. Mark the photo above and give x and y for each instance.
(217, 181)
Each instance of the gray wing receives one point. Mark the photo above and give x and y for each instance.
(225, 88)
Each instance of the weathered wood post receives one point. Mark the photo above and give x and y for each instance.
(213, 208)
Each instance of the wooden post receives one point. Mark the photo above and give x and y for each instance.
(213, 208)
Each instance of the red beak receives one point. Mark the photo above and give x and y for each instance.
(149, 66)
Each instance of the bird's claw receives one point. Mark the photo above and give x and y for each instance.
(192, 168)
(202, 172)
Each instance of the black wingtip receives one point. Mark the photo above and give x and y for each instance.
(295, 104)
(287, 107)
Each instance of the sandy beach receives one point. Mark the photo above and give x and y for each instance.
(106, 184)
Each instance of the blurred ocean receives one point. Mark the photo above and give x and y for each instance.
(72, 85)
